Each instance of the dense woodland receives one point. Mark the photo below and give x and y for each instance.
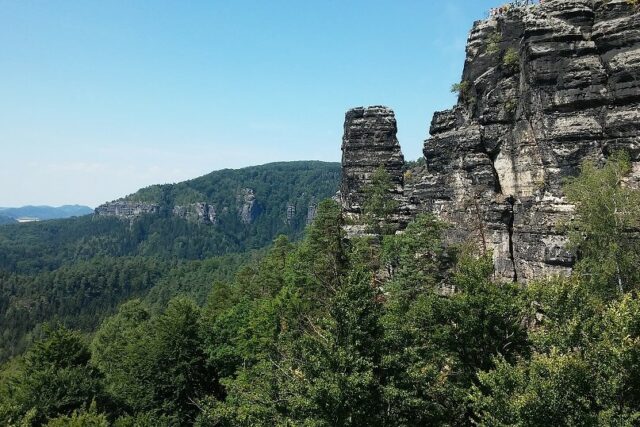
(386, 330)
(77, 271)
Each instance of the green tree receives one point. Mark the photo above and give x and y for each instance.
(436, 342)
(379, 204)
(606, 212)
(155, 365)
(552, 389)
(55, 379)
(90, 418)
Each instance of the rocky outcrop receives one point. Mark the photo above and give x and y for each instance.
(202, 213)
(312, 211)
(290, 213)
(248, 209)
(126, 210)
(544, 88)
(369, 142)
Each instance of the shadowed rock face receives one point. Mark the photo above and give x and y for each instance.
(546, 88)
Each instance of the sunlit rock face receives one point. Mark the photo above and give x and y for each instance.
(544, 88)
(369, 142)
(126, 210)
(248, 209)
(201, 212)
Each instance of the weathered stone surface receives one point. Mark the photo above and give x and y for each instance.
(201, 212)
(312, 211)
(495, 163)
(369, 142)
(290, 213)
(126, 210)
(248, 209)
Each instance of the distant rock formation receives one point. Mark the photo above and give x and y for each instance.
(126, 210)
(201, 212)
(248, 209)
(290, 212)
(544, 87)
(312, 211)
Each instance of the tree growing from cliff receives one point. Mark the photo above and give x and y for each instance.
(607, 212)
(379, 204)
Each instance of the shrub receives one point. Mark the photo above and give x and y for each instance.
(511, 106)
(493, 43)
(511, 60)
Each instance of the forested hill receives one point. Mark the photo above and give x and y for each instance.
(78, 270)
(383, 329)
(243, 209)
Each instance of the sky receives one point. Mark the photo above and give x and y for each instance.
(101, 98)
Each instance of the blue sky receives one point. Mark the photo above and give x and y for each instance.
(100, 98)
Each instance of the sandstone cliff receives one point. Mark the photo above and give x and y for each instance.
(544, 87)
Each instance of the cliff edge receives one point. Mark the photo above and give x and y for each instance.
(544, 88)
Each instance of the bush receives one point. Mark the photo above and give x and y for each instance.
(511, 60)
(493, 43)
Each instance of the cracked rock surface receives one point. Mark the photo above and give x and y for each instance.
(544, 88)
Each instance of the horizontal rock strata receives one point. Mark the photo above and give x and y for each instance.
(544, 88)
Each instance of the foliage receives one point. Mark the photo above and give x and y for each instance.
(393, 330)
(606, 212)
(464, 91)
(154, 364)
(511, 106)
(511, 60)
(493, 42)
(379, 204)
(461, 88)
(55, 379)
(90, 418)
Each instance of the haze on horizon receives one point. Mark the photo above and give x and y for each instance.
(102, 98)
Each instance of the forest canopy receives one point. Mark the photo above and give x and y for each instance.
(385, 330)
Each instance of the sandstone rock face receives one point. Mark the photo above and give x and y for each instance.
(544, 88)
(202, 213)
(312, 211)
(369, 142)
(290, 213)
(248, 209)
(126, 210)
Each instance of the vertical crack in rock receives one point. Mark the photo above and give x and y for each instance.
(577, 96)
(510, 228)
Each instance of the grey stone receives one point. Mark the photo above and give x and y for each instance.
(495, 163)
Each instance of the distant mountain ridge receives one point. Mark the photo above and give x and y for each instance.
(226, 211)
(6, 220)
(164, 240)
(271, 195)
(44, 212)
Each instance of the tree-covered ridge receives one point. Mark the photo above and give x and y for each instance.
(6, 220)
(78, 270)
(275, 185)
(395, 330)
(34, 247)
(82, 294)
